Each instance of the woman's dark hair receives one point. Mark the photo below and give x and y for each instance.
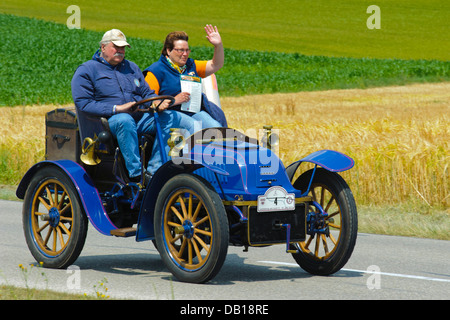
(171, 38)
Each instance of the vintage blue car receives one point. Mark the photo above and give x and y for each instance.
(217, 188)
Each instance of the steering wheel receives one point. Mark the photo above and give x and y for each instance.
(153, 108)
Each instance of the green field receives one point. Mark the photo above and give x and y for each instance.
(41, 56)
(410, 29)
(271, 46)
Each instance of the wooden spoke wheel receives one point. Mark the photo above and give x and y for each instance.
(191, 228)
(54, 224)
(332, 224)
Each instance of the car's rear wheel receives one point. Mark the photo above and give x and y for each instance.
(54, 223)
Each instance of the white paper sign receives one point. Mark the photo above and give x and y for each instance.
(193, 85)
(276, 199)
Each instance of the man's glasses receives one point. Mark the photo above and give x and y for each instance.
(182, 50)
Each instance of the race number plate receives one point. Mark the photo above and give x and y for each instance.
(276, 199)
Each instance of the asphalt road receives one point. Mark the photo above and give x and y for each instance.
(381, 267)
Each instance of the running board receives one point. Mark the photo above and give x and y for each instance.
(123, 232)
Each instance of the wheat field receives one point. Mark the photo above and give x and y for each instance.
(398, 136)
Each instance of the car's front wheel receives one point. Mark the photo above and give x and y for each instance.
(332, 235)
(191, 228)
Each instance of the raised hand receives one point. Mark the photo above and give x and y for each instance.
(213, 35)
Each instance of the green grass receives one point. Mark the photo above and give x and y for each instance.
(14, 293)
(8, 192)
(34, 275)
(35, 71)
(407, 219)
(410, 29)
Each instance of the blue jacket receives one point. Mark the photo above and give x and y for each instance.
(97, 86)
(165, 80)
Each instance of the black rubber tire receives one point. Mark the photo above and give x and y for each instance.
(335, 194)
(58, 241)
(197, 254)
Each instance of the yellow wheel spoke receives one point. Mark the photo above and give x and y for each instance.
(324, 242)
(197, 251)
(61, 201)
(55, 191)
(183, 208)
(308, 243)
(173, 240)
(206, 233)
(173, 224)
(62, 226)
(313, 193)
(189, 215)
(50, 230)
(206, 218)
(67, 207)
(190, 256)
(197, 211)
(55, 238)
(179, 216)
(316, 250)
(322, 196)
(334, 226)
(202, 243)
(333, 239)
(329, 203)
(60, 237)
(44, 202)
(330, 215)
(43, 227)
(49, 196)
(182, 248)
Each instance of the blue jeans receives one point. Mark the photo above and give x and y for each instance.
(202, 120)
(127, 132)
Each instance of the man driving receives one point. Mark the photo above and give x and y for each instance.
(108, 86)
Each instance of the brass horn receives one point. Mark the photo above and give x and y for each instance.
(176, 142)
(270, 139)
(88, 152)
